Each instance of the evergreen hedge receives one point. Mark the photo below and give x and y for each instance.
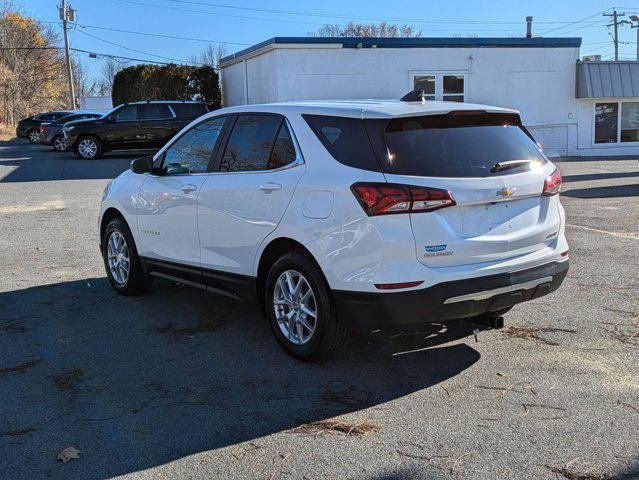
(167, 82)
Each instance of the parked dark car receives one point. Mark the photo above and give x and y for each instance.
(131, 126)
(51, 132)
(29, 128)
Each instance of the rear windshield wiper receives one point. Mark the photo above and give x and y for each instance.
(501, 166)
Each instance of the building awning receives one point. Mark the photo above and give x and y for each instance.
(607, 79)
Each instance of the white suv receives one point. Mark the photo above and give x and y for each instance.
(339, 215)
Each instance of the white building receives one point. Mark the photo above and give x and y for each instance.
(541, 77)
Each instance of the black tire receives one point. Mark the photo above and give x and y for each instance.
(32, 135)
(330, 334)
(137, 281)
(83, 153)
(57, 143)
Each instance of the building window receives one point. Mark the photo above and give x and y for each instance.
(425, 83)
(449, 87)
(453, 88)
(630, 122)
(606, 122)
(616, 122)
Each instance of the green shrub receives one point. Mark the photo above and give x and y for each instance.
(167, 82)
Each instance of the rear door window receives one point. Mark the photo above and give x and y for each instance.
(157, 111)
(456, 146)
(258, 142)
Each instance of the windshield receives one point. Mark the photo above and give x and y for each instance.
(458, 146)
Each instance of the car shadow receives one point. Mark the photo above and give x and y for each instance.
(602, 192)
(598, 176)
(38, 163)
(136, 382)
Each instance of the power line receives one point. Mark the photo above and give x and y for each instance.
(135, 50)
(282, 20)
(590, 25)
(356, 17)
(136, 32)
(91, 53)
(571, 23)
(108, 55)
(218, 14)
(597, 48)
(151, 34)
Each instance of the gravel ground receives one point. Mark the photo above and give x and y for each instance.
(183, 384)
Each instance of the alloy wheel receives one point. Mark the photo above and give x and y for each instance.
(58, 144)
(34, 136)
(295, 307)
(88, 148)
(118, 258)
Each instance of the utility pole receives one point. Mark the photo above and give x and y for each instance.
(635, 19)
(67, 14)
(615, 23)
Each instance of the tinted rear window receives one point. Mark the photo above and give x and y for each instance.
(345, 139)
(189, 111)
(455, 145)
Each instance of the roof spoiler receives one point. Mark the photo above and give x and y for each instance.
(414, 96)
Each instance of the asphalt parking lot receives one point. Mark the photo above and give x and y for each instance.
(183, 384)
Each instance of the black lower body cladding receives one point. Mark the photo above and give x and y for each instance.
(445, 301)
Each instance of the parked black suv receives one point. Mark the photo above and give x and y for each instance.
(30, 127)
(131, 126)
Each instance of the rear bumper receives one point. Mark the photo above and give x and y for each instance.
(448, 300)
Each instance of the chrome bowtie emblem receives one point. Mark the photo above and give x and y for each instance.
(506, 192)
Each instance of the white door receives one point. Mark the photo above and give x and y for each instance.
(244, 201)
(167, 212)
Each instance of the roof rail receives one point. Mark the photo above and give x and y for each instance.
(414, 96)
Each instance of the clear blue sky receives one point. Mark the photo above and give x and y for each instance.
(247, 23)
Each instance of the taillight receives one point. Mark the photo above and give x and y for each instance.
(387, 198)
(41, 128)
(552, 184)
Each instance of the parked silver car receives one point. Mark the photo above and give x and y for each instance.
(51, 132)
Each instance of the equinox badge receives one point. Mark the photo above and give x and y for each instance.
(506, 192)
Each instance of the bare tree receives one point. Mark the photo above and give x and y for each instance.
(110, 68)
(85, 85)
(32, 66)
(211, 56)
(352, 29)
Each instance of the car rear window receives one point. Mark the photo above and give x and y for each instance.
(345, 139)
(189, 111)
(458, 145)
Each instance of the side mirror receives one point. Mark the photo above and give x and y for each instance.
(142, 165)
(111, 118)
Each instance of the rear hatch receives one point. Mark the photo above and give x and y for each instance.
(493, 170)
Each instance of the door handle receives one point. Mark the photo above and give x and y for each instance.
(188, 188)
(270, 187)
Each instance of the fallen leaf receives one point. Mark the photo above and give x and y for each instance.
(68, 453)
